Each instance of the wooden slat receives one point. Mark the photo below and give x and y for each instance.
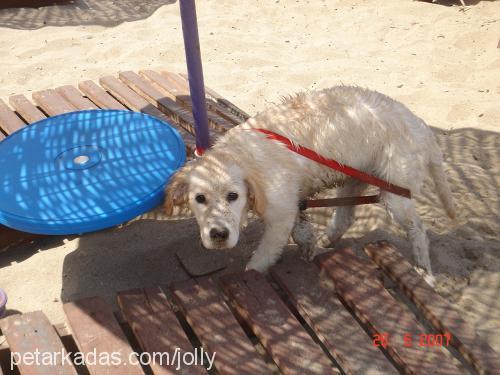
(52, 103)
(95, 328)
(166, 86)
(217, 328)
(75, 97)
(156, 328)
(26, 109)
(99, 96)
(220, 99)
(182, 81)
(125, 94)
(315, 299)
(9, 122)
(156, 98)
(291, 347)
(442, 315)
(31, 332)
(177, 81)
(178, 88)
(138, 103)
(224, 112)
(382, 314)
(167, 105)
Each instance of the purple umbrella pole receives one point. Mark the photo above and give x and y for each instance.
(195, 73)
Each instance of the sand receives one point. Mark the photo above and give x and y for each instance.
(442, 62)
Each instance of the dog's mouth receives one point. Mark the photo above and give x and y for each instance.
(219, 246)
(216, 245)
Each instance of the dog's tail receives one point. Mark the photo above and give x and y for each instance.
(438, 175)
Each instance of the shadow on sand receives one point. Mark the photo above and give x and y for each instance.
(76, 12)
(450, 3)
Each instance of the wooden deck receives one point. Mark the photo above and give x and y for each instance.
(164, 95)
(331, 317)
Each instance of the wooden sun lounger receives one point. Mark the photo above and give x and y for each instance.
(164, 95)
(303, 319)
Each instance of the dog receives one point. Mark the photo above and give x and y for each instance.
(358, 127)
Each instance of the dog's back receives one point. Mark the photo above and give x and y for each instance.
(364, 129)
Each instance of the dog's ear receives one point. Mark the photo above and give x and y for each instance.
(257, 200)
(176, 192)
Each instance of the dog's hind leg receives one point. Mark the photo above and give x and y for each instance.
(403, 211)
(303, 235)
(343, 216)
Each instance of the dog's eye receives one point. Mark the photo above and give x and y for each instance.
(200, 198)
(232, 196)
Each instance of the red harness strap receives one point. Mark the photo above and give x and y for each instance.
(352, 172)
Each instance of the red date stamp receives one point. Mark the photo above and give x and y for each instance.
(410, 340)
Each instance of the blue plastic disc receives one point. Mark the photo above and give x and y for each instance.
(85, 171)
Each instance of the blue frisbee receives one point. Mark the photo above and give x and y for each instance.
(85, 171)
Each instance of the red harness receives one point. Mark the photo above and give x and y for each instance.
(333, 164)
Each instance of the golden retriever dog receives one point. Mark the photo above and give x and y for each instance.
(357, 127)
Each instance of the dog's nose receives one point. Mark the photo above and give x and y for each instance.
(219, 234)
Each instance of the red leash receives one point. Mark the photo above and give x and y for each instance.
(333, 164)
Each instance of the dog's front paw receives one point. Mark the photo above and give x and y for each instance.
(308, 253)
(429, 278)
(333, 236)
(257, 263)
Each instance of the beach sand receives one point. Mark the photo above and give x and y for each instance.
(442, 62)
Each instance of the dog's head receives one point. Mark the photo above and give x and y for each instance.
(219, 194)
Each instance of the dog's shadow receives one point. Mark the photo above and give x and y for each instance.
(146, 253)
